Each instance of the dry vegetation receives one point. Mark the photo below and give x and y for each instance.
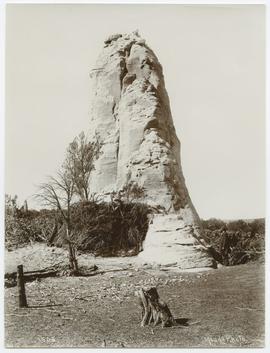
(118, 228)
(244, 240)
(106, 229)
(218, 308)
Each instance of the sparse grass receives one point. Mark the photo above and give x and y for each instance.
(224, 307)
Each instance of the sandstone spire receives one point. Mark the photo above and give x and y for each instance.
(131, 116)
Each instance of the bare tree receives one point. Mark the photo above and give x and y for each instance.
(72, 180)
(58, 193)
(79, 162)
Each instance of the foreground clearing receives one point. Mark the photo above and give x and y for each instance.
(224, 308)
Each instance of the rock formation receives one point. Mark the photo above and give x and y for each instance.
(131, 117)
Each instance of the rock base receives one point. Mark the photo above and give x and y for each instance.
(170, 242)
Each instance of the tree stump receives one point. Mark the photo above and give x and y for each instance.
(72, 258)
(154, 309)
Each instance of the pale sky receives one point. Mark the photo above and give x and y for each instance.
(213, 59)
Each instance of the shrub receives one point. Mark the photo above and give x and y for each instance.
(113, 228)
(245, 239)
(109, 228)
(22, 227)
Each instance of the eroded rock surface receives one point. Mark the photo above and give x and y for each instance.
(171, 242)
(132, 118)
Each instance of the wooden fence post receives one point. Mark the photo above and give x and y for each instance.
(21, 287)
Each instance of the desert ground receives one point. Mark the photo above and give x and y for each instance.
(215, 308)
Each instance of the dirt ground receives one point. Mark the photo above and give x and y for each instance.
(216, 308)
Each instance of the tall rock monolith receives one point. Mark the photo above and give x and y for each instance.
(131, 116)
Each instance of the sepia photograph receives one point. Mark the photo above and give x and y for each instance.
(134, 175)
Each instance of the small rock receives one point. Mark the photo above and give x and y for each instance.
(170, 264)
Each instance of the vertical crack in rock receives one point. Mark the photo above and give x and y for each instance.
(114, 113)
(131, 114)
(123, 64)
(123, 71)
(117, 149)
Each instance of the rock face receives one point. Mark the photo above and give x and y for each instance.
(131, 117)
(171, 241)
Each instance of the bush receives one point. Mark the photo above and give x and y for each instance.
(119, 228)
(107, 229)
(22, 228)
(243, 242)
